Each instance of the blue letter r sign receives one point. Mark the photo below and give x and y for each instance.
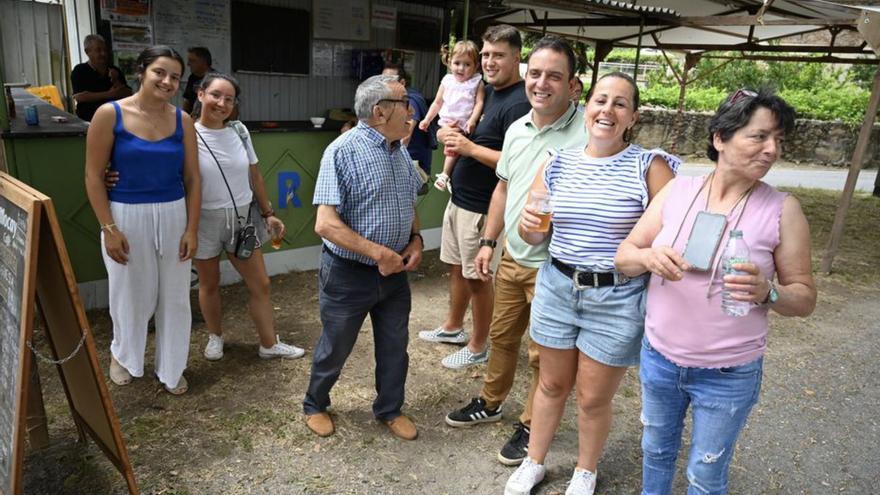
(288, 183)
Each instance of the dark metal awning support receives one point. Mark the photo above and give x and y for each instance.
(639, 49)
(467, 8)
(602, 51)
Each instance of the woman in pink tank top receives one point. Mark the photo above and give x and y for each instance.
(694, 354)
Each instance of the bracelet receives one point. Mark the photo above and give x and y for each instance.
(270, 213)
(109, 227)
(484, 242)
(416, 234)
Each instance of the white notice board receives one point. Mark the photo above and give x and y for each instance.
(185, 23)
(341, 20)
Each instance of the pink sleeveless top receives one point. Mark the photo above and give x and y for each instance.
(683, 324)
(459, 99)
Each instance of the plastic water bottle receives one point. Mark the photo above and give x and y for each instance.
(736, 251)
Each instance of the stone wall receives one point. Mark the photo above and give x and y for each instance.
(813, 141)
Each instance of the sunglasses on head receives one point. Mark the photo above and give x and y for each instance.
(742, 93)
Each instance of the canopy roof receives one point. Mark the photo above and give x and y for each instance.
(691, 25)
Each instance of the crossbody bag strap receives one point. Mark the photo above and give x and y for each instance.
(237, 216)
(243, 134)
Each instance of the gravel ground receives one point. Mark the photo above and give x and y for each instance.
(239, 428)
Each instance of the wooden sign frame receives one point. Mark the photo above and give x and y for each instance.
(50, 283)
(30, 205)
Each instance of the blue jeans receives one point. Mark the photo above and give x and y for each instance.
(347, 292)
(721, 400)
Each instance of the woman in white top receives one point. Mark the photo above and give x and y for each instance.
(227, 145)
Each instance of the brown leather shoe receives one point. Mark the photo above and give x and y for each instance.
(402, 427)
(320, 423)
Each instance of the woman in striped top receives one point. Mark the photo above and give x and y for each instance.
(588, 319)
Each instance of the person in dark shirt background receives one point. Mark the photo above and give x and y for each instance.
(92, 82)
(198, 59)
(420, 144)
(473, 183)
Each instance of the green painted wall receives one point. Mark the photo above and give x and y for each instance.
(282, 153)
(55, 166)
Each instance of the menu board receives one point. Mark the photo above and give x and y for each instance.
(182, 24)
(341, 20)
(13, 249)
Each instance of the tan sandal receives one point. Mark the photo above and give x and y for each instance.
(181, 387)
(118, 374)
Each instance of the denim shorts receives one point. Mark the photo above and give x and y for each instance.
(605, 323)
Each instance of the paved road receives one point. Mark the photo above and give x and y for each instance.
(801, 177)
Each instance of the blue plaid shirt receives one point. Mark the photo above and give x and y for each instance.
(372, 187)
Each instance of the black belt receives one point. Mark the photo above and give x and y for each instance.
(346, 261)
(583, 280)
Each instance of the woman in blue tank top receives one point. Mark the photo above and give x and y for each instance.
(149, 221)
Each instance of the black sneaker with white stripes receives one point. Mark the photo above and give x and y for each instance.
(473, 413)
(516, 448)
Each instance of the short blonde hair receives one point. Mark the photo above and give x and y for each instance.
(465, 47)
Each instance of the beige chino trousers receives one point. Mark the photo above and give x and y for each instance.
(514, 290)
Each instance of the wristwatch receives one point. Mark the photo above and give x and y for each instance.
(488, 242)
(772, 295)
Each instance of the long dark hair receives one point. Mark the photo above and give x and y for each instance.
(206, 83)
(628, 134)
(628, 79)
(151, 54)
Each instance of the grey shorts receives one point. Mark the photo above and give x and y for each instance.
(218, 228)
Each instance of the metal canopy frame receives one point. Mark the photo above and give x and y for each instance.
(690, 25)
(754, 28)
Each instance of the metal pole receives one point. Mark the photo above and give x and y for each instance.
(639, 49)
(877, 185)
(601, 51)
(853, 175)
(467, 8)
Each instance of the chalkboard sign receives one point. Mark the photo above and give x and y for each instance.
(270, 39)
(35, 268)
(18, 214)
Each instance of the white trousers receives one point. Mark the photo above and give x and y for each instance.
(153, 283)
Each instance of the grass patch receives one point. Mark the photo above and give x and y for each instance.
(857, 262)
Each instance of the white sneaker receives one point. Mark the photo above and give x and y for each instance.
(526, 476)
(440, 334)
(281, 350)
(214, 349)
(463, 358)
(582, 482)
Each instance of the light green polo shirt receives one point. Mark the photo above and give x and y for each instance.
(525, 149)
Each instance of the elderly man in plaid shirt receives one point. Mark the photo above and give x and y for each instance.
(366, 196)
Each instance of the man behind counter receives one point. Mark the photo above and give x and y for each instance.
(94, 82)
(199, 60)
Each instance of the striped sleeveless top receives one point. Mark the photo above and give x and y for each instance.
(596, 202)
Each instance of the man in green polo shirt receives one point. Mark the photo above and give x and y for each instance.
(552, 124)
